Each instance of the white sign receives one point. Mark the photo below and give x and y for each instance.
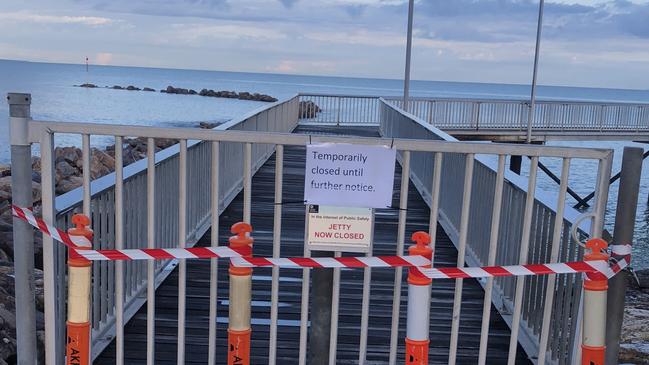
(349, 175)
(339, 229)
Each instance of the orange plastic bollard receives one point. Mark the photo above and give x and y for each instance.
(78, 323)
(418, 320)
(595, 291)
(239, 330)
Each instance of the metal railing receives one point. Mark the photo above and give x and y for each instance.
(487, 114)
(341, 109)
(277, 117)
(166, 201)
(412, 151)
(500, 223)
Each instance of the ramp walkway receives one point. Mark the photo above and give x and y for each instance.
(198, 272)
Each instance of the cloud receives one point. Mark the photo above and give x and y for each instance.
(302, 66)
(56, 19)
(104, 58)
(288, 3)
(583, 41)
(356, 10)
(236, 31)
(513, 20)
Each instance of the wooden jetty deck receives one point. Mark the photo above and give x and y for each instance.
(290, 287)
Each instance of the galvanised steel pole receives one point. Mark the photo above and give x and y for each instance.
(530, 116)
(625, 214)
(23, 234)
(406, 79)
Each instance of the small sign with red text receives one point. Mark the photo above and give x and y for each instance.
(341, 229)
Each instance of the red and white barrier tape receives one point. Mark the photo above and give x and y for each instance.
(332, 262)
(601, 267)
(48, 229)
(211, 252)
(237, 259)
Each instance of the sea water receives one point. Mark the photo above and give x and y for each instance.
(54, 97)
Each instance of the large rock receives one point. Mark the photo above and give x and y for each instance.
(308, 109)
(177, 90)
(101, 164)
(64, 170)
(133, 88)
(88, 85)
(244, 95)
(208, 125)
(148, 89)
(36, 163)
(8, 314)
(5, 190)
(69, 154)
(5, 170)
(264, 97)
(71, 183)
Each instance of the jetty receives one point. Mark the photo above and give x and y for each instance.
(252, 169)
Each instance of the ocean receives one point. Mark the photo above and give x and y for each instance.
(55, 98)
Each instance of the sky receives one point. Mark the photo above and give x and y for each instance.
(598, 43)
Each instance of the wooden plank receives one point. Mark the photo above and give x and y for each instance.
(290, 284)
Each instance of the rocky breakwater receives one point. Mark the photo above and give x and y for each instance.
(244, 95)
(220, 94)
(68, 174)
(116, 87)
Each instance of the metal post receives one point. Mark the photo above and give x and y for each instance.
(594, 307)
(239, 329)
(530, 116)
(406, 79)
(320, 329)
(23, 234)
(79, 286)
(418, 317)
(625, 214)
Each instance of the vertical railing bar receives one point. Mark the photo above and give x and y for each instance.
(150, 290)
(214, 263)
(110, 238)
(182, 236)
(491, 261)
(554, 256)
(86, 174)
(304, 305)
(277, 239)
(335, 304)
(398, 272)
(247, 181)
(464, 229)
(525, 241)
(434, 201)
(53, 353)
(119, 244)
(603, 177)
(365, 302)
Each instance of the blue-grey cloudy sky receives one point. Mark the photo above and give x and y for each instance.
(601, 43)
